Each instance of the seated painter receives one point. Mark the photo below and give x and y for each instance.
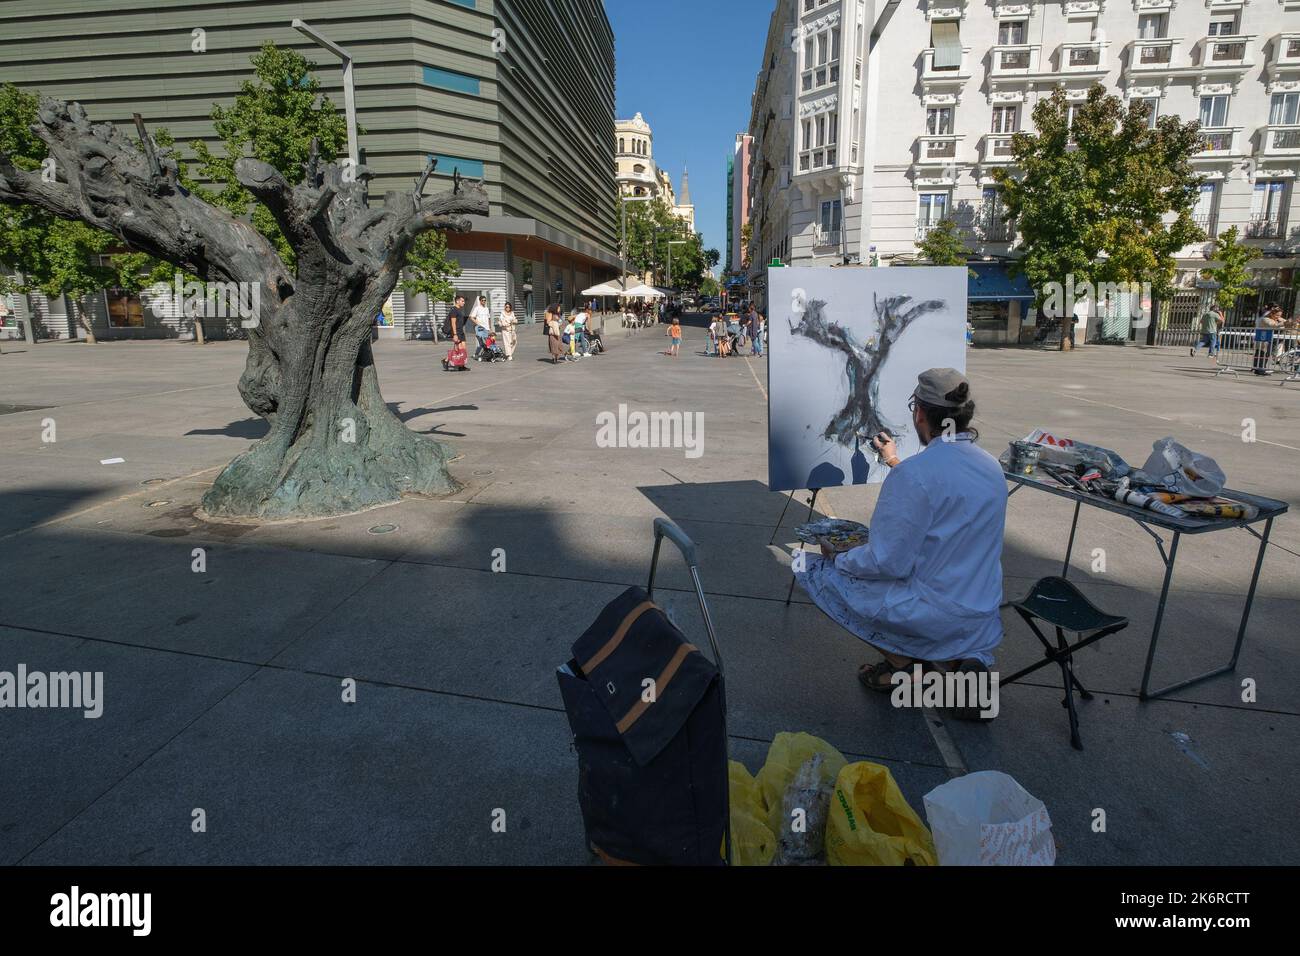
(926, 586)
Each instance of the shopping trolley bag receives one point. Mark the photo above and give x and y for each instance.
(648, 718)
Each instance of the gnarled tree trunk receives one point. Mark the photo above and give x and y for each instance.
(334, 445)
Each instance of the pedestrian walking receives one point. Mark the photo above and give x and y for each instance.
(481, 318)
(675, 333)
(1212, 320)
(553, 335)
(760, 329)
(506, 326)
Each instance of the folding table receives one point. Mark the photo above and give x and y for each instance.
(1147, 520)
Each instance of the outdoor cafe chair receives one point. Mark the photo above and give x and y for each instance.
(1059, 604)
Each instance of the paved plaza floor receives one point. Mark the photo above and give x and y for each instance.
(223, 687)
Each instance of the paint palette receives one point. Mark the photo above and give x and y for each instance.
(839, 533)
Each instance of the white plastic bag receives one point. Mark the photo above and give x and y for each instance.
(987, 819)
(1184, 471)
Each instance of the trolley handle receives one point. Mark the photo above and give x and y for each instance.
(666, 529)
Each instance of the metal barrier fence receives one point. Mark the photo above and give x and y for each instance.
(1179, 317)
(1240, 352)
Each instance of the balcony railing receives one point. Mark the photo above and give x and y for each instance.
(1227, 51)
(993, 228)
(1014, 59)
(997, 148)
(1265, 227)
(1218, 141)
(923, 227)
(937, 149)
(1208, 223)
(1089, 57)
(1282, 140)
(1153, 54)
(826, 237)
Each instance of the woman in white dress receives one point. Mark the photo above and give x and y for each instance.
(506, 326)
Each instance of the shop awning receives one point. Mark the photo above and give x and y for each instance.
(993, 282)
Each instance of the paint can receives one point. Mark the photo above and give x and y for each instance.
(1024, 457)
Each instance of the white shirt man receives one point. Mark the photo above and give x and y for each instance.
(927, 585)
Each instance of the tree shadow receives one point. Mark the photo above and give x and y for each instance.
(244, 428)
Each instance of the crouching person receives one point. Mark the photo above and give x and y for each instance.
(926, 587)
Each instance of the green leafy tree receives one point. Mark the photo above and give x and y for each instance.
(709, 286)
(1090, 200)
(428, 270)
(50, 255)
(274, 119)
(943, 245)
(1231, 274)
(712, 257)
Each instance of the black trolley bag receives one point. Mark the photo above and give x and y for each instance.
(648, 716)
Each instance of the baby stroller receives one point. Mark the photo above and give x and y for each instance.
(595, 344)
(456, 359)
(490, 349)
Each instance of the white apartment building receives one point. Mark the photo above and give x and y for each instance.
(875, 119)
(638, 174)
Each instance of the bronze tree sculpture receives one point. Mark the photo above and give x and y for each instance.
(334, 446)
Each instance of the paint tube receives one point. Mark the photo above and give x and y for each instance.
(1147, 502)
(1232, 511)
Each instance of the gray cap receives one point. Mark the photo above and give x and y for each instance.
(942, 388)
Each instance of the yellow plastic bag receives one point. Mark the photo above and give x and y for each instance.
(871, 823)
(787, 754)
(752, 843)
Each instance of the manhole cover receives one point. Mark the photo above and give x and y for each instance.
(153, 481)
(157, 504)
(525, 437)
(383, 529)
(484, 473)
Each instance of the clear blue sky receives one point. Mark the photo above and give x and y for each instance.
(688, 67)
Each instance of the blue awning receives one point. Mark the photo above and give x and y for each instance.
(992, 282)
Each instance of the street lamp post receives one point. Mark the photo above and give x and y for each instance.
(349, 98)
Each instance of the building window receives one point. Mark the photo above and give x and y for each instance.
(1214, 111)
(1268, 204)
(621, 145)
(930, 211)
(938, 120)
(469, 168)
(993, 222)
(125, 311)
(1223, 26)
(1203, 211)
(945, 38)
(832, 211)
(451, 80)
(1284, 109)
(1152, 104)
(1011, 33)
(1006, 119)
(1152, 26)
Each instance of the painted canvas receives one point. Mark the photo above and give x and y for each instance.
(846, 348)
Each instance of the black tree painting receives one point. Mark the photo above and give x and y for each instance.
(860, 418)
(334, 446)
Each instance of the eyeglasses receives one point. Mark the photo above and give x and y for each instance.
(911, 404)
